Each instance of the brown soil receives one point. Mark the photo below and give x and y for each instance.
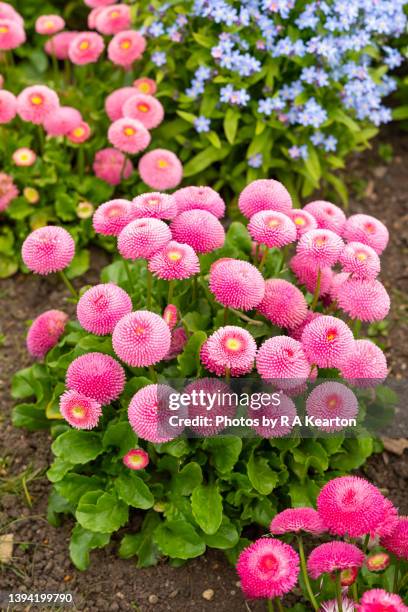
(41, 561)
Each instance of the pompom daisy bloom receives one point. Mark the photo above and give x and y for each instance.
(200, 390)
(175, 261)
(366, 300)
(304, 221)
(171, 315)
(111, 217)
(86, 48)
(9, 12)
(177, 343)
(80, 411)
(332, 557)
(45, 331)
(8, 106)
(200, 229)
(327, 215)
(141, 338)
(111, 166)
(101, 307)
(377, 562)
(360, 260)
(12, 34)
(125, 48)
(80, 133)
(379, 600)
(48, 249)
(24, 157)
(283, 304)
(96, 375)
(49, 24)
(155, 204)
(115, 101)
(8, 191)
(229, 348)
(350, 505)
(368, 230)
(161, 169)
(145, 85)
(236, 284)
(348, 605)
(31, 195)
(281, 360)
(149, 413)
(389, 520)
(297, 332)
(202, 198)
(35, 103)
(337, 280)
(136, 459)
(296, 520)
(330, 400)
(98, 3)
(84, 210)
(327, 341)
(143, 238)
(365, 365)
(397, 541)
(146, 109)
(58, 44)
(113, 19)
(306, 272)
(286, 409)
(62, 121)
(268, 568)
(274, 229)
(264, 194)
(321, 247)
(129, 135)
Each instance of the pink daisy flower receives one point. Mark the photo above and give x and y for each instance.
(328, 215)
(397, 541)
(161, 169)
(80, 411)
(283, 304)
(200, 229)
(8, 12)
(111, 217)
(177, 343)
(229, 348)
(378, 600)
(296, 520)
(80, 134)
(8, 106)
(125, 48)
(297, 332)
(45, 331)
(377, 562)
(48, 249)
(113, 19)
(337, 280)
(96, 375)
(389, 520)
(236, 284)
(155, 204)
(143, 238)
(35, 103)
(330, 400)
(264, 194)
(115, 101)
(268, 568)
(368, 230)
(12, 34)
(321, 247)
(86, 48)
(348, 605)
(8, 191)
(360, 260)
(62, 121)
(136, 459)
(202, 389)
(332, 557)
(149, 414)
(351, 506)
(304, 221)
(281, 360)
(49, 24)
(24, 157)
(366, 300)
(365, 365)
(98, 3)
(101, 307)
(274, 229)
(171, 315)
(286, 408)
(306, 273)
(111, 166)
(175, 261)
(145, 85)
(202, 198)
(58, 44)
(129, 135)
(145, 109)
(327, 341)
(141, 338)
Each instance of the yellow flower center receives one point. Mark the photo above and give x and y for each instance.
(3, 29)
(129, 131)
(114, 14)
(174, 255)
(36, 100)
(273, 223)
(49, 24)
(24, 157)
(331, 335)
(153, 201)
(144, 87)
(115, 211)
(125, 44)
(78, 132)
(233, 344)
(162, 163)
(139, 329)
(361, 256)
(84, 45)
(144, 108)
(320, 241)
(299, 221)
(78, 412)
(369, 227)
(135, 460)
(332, 402)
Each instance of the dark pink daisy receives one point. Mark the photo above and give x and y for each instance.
(200, 229)
(274, 229)
(327, 341)
(321, 247)
(368, 230)
(141, 338)
(264, 194)
(333, 557)
(365, 365)
(136, 459)
(145, 85)
(155, 204)
(229, 348)
(286, 409)
(80, 411)
(328, 215)
(281, 361)
(175, 261)
(397, 541)
(379, 600)
(223, 406)
(111, 217)
(48, 249)
(236, 284)
(96, 375)
(101, 307)
(45, 331)
(360, 260)
(366, 300)
(330, 400)
(202, 198)
(304, 221)
(149, 414)
(171, 315)
(283, 304)
(143, 238)
(178, 341)
(296, 520)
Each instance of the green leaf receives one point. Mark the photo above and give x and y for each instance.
(58, 469)
(79, 265)
(78, 446)
(134, 491)
(239, 236)
(224, 451)
(303, 494)
(262, 477)
(141, 543)
(400, 113)
(175, 448)
(339, 186)
(101, 512)
(73, 486)
(204, 159)
(203, 41)
(206, 503)
(120, 435)
(226, 537)
(189, 360)
(231, 124)
(8, 266)
(187, 479)
(179, 540)
(29, 416)
(82, 542)
(190, 118)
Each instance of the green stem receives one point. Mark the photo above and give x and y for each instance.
(366, 543)
(354, 590)
(170, 293)
(305, 575)
(317, 289)
(149, 289)
(128, 274)
(81, 162)
(279, 604)
(279, 264)
(244, 317)
(396, 576)
(256, 256)
(356, 328)
(270, 605)
(122, 172)
(339, 597)
(226, 315)
(68, 284)
(152, 374)
(264, 256)
(54, 62)
(41, 138)
(228, 375)
(195, 288)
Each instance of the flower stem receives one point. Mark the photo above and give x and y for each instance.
(305, 574)
(123, 169)
(81, 162)
(317, 289)
(195, 288)
(149, 289)
(152, 374)
(270, 605)
(68, 284)
(129, 274)
(279, 604)
(256, 256)
(366, 543)
(40, 138)
(226, 315)
(338, 592)
(170, 293)
(228, 375)
(354, 590)
(396, 576)
(54, 63)
(264, 256)
(356, 328)
(244, 317)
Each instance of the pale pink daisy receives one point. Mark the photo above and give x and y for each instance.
(45, 331)
(297, 332)
(136, 459)
(161, 169)
(283, 304)
(80, 411)
(101, 307)
(171, 315)
(229, 348)
(327, 341)
(128, 135)
(35, 103)
(142, 238)
(111, 217)
(125, 48)
(236, 284)
(113, 19)
(98, 3)
(306, 272)
(49, 24)
(368, 230)
(9, 12)
(296, 520)
(96, 375)
(200, 229)
(80, 134)
(175, 261)
(379, 600)
(224, 405)
(48, 249)
(337, 280)
(115, 101)
(24, 157)
(8, 191)
(86, 48)
(12, 34)
(8, 106)
(62, 121)
(365, 365)
(327, 215)
(111, 166)
(155, 204)
(329, 401)
(149, 414)
(333, 557)
(304, 221)
(285, 410)
(145, 85)
(377, 562)
(366, 300)
(203, 198)
(264, 194)
(145, 109)
(348, 605)
(58, 44)
(321, 247)
(274, 229)
(281, 361)
(360, 260)
(141, 338)
(397, 541)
